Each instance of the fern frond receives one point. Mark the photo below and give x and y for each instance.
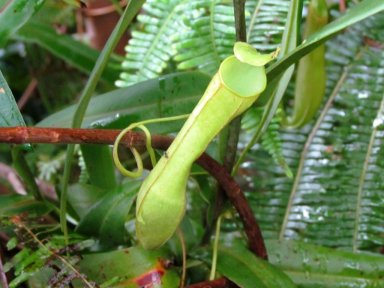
(325, 204)
(149, 50)
(271, 140)
(209, 40)
(201, 39)
(266, 22)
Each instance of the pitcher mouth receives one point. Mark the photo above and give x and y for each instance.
(242, 79)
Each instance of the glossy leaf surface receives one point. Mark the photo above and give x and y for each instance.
(242, 267)
(106, 218)
(9, 112)
(130, 267)
(169, 95)
(334, 198)
(15, 15)
(315, 266)
(66, 48)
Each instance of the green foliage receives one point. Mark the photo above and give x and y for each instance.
(200, 39)
(335, 198)
(271, 140)
(124, 268)
(15, 15)
(315, 266)
(250, 271)
(334, 160)
(162, 97)
(9, 113)
(107, 217)
(66, 48)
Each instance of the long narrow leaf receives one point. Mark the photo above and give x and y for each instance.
(357, 13)
(316, 266)
(162, 97)
(65, 47)
(15, 15)
(9, 112)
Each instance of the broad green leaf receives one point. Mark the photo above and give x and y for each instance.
(11, 205)
(65, 47)
(266, 20)
(339, 179)
(170, 95)
(9, 112)
(340, 170)
(82, 197)
(246, 270)
(15, 15)
(316, 266)
(130, 267)
(107, 217)
(357, 13)
(100, 166)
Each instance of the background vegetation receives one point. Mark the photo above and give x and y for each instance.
(316, 191)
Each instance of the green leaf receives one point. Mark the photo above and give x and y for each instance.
(127, 266)
(82, 197)
(166, 96)
(15, 15)
(9, 112)
(107, 217)
(357, 13)
(266, 20)
(345, 170)
(65, 47)
(149, 49)
(316, 266)
(338, 182)
(11, 205)
(209, 39)
(246, 270)
(100, 166)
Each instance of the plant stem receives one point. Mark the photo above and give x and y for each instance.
(241, 29)
(128, 15)
(135, 139)
(22, 168)
(235, 125)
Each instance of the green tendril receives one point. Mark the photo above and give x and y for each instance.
(148, 145)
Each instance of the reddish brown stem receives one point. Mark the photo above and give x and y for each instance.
(27, 94)
(217, 283)
(20, 135)
(342, 6)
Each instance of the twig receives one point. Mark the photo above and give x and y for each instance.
(342, 6)
(3, 277)
(20, 135)
(241, 28)
(218, 283)
(27, 94)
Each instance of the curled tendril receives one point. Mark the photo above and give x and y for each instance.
(148, 145)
